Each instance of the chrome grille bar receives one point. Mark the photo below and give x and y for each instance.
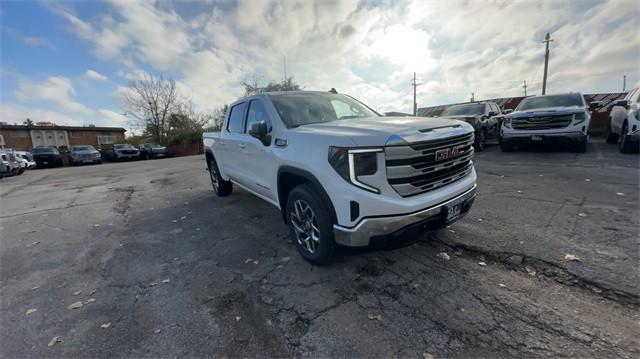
(413, 169)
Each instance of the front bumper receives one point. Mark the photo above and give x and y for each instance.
(426, 219)
(576, 136)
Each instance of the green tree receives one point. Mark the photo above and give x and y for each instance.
(254, 86)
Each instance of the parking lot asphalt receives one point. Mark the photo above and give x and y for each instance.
(141, 259)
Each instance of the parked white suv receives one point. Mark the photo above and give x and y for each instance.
(339, 172)
(624, 122)
(549, 118)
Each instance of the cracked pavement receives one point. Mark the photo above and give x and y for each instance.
(176, 271)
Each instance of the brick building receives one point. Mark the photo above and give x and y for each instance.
(23, 137)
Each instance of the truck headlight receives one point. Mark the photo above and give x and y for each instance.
(507, 122)
(351, 163)
(579, 118)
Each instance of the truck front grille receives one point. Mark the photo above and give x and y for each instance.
(424, 166)
(541, 123)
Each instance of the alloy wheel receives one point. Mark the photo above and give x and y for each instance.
(213, 173)
(305, 226)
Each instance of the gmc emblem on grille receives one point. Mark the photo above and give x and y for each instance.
(447, 153)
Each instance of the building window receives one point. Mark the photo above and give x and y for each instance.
(105, 133)
(19, 133)
(106, 140)
(76, 134)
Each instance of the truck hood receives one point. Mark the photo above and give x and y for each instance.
(381, 131)
(549, 111)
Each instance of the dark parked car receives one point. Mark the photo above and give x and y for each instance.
(124, 151)
(47, 157)
(152, 150)
(483, 116)
(85, 154)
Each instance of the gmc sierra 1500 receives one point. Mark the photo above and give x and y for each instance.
(339, 172)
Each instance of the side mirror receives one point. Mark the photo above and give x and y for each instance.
(507, 110)
(623, 103)
(493, 113)
(259, 131)
(595, 105)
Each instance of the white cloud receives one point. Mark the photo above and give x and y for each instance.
(371, 50)
(112, 119)
(15, 113)
(94, 75)
(56, 89)
(33, 41)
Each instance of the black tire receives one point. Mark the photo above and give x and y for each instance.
(611, 137)
(579, 147)
(220, 186)
(626, 145)
(480, 140)
(506, 146)
(319, 225)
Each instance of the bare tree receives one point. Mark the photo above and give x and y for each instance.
(151, 101)
(218, 116)
(188, 118)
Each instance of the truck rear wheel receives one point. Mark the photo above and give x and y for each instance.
(626, 145)
(310, 225)
(220, 186)
(611, 136)
(481, 140)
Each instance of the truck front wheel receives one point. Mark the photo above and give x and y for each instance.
(220, 186)
(310, 225)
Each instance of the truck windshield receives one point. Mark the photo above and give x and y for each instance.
(464, 110)
(82, 148)
(123, 147)
(303, 108)
(43, 150)
(551, 101)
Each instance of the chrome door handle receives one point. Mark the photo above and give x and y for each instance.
(242, 145)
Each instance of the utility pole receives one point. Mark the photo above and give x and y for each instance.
(415, 104)
(284, 66)
(547, 40)
(624, 83)
(473, 98)
(525, 88)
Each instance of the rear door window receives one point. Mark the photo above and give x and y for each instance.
(236, 118)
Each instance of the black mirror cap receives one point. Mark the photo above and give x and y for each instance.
(259, 131)
(623, 103)
(595, 105)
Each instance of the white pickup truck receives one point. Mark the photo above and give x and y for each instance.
(624, 122)
(549, 118)
(339, 172)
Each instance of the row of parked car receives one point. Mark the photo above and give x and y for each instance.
(553, 118)
(14, 163)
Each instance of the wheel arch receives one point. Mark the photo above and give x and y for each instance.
(289, 177)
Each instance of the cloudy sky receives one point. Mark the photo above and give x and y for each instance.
(68, 62)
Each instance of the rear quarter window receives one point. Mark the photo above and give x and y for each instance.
(236, 118)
